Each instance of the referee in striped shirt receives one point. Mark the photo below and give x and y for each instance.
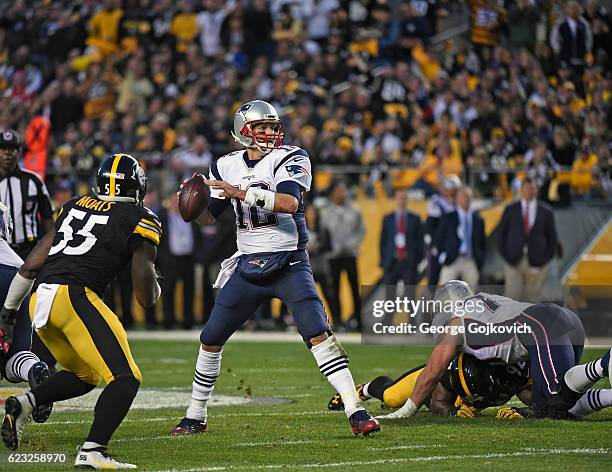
(28, 201)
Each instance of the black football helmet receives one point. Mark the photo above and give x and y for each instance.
(483, 384)
(120, 178)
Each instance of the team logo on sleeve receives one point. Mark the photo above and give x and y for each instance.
(295, 169)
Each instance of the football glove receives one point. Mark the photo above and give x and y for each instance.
(7, 324)
(509, 413)
(464, 411)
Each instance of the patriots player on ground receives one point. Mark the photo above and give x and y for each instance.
(552, 344)
(467, 386)
(264, 183)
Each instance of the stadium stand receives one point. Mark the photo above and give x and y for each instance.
(382, 94)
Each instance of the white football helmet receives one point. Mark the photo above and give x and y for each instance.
(251, 114)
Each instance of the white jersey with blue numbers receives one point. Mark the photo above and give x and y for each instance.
(259, 230)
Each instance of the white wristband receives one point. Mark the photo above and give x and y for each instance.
(260, 198)
(19, 289)
(409, 408)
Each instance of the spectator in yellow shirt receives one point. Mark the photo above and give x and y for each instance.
(184, 26)
(437, 166)
(567, 94)
(104, 25)
(583, 169)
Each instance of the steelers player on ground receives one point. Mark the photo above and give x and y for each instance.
(264, 183)
(467, 387)
(492, 328)
(94, 237)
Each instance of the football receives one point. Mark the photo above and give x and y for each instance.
(193, 199)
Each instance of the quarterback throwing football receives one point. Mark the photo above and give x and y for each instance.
(264, 183)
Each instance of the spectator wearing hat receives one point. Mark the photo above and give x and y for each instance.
(527, 241)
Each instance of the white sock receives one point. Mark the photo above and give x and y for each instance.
(592, 401)
(333, 363)
(19, 365)
(364, 390)
(207, 370)
(582, 377)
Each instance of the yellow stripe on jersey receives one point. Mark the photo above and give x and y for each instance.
(147, 233)
(113, 171)
(462, 378)
(152, 223)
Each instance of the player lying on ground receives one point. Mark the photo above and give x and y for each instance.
(264, 183)
(17, 362)
(552, 345)
(95, 237)
(467, 386)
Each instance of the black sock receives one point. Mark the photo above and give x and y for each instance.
(111, 408)
(377, 387)
(61, 386)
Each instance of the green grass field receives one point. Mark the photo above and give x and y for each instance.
(301, 434)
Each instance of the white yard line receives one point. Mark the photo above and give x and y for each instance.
(216, 415)
(496, 455)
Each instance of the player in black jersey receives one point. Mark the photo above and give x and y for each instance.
(94, 238)
(467, 386)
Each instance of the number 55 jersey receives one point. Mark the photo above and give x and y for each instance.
(94, 240)
(259, 230)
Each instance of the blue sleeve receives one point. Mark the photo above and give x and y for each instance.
(290, 187)
(214, 171)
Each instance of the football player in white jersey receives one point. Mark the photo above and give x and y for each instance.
(492, 327)
(265, 183)
(17, 362)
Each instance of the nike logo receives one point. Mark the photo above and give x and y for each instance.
(295, 262)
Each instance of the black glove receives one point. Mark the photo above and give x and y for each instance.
(7, 324)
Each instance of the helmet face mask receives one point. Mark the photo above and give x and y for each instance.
(251, 116)
(120, 178)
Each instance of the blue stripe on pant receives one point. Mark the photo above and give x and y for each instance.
(555, 345)
(22, 333)
(239, 298)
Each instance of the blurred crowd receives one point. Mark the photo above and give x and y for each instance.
(368, 83)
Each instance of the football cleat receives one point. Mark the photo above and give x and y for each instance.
(17, 410)
(98, 459)
(189, 426)
(363, 423)
(38, 373)
(336, 404)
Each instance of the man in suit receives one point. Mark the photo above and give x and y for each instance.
(527, 242)
(461, 242)
(401, 243)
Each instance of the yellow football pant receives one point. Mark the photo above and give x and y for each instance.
(86, 337)
(397, 394)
